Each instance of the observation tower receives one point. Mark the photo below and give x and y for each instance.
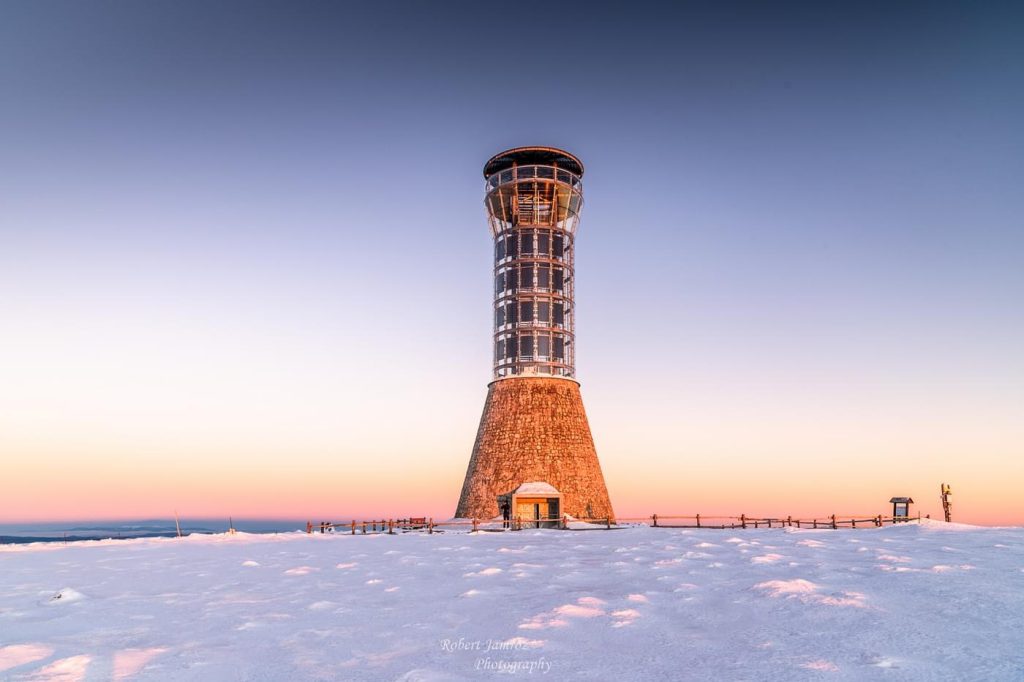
(533, 449)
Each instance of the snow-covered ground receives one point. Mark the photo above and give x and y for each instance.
(929, 602)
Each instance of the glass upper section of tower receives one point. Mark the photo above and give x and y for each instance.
(517, 173)
(527, 186)
(533, 198)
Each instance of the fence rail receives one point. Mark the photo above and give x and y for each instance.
(428, 525)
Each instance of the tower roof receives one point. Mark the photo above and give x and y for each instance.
(524, 156)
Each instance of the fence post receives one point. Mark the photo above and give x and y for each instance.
(878, 521)
(743, 520)
(565, 522)
(789, 519)
(769, 523)
(608, 523)
(474, 524)
(353, 526)
(698, 520)
(654, 517)
(853, 523)
(391, 527)
(309, 527)
(833, 522)
(798, 523)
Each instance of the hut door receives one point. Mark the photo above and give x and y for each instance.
(531, 508)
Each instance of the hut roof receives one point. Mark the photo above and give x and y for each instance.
(536, 488)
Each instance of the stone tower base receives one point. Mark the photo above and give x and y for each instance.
(534, 429)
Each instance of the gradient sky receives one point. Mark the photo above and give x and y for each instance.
(245, 267)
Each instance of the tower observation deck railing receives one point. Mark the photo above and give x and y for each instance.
(531, 172)
(534, 212)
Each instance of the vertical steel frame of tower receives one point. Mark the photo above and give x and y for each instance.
(533, 206)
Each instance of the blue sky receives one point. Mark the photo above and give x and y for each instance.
(240, 232)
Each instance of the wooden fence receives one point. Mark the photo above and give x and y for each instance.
(424, 524)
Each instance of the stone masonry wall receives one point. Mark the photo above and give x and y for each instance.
(534, 429)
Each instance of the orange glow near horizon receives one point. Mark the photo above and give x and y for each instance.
(277, 485)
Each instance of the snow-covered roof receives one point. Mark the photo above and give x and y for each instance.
(536, 488)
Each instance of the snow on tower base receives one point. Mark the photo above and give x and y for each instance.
(534, 429)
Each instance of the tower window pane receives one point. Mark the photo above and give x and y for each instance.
(559, 245)
(526, 312)
(559, 279)
(525, 243)
(543, 311)
(544, 276)
(526, 274)
(543, 345)
(559, 353)
(543, 243)
(525, 346)
(559, 313)
(499, 282)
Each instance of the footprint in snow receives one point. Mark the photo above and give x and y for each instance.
(624, 617)
(811, 543)
(486, 571)
(301, 570)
